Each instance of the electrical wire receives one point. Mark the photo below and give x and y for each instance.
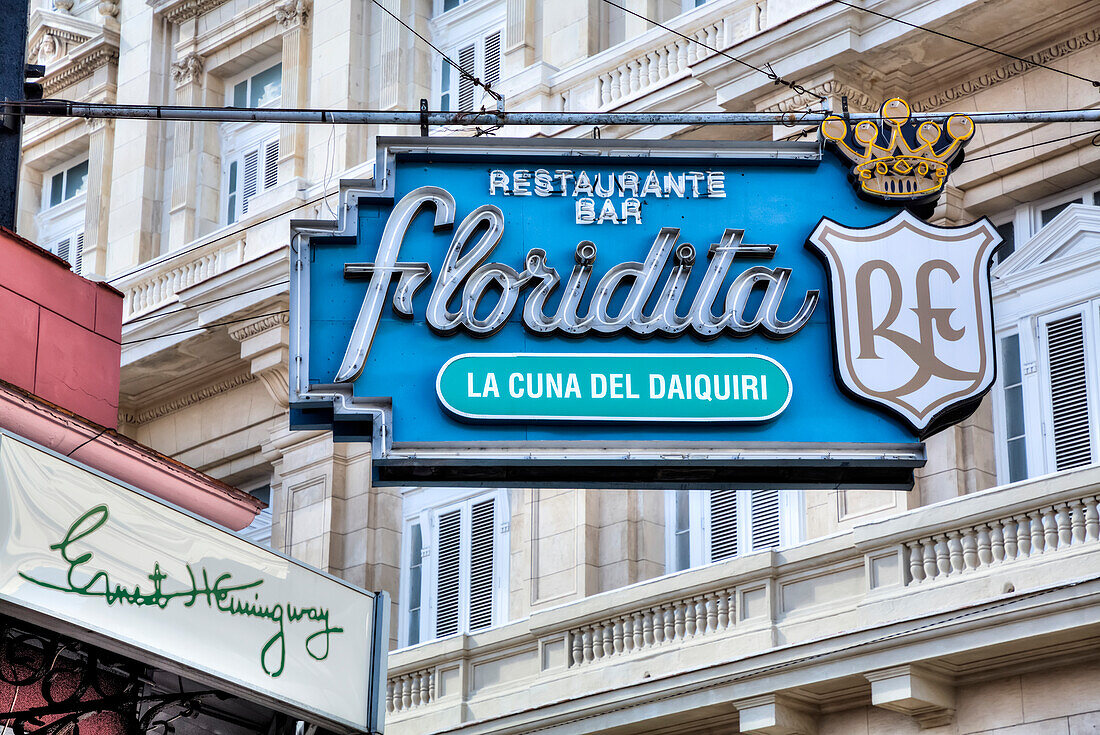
(766, 69)
(484, 85)
(205, 327)
(238, 231)
(185, 307)
(1095, 141)
(926, 29)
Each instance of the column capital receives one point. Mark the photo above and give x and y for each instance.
(187, 69)
(293, 13)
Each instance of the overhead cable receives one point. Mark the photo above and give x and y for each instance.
(766, 69)
(948, 36)
(1095, 141)
(474, 80)
(154, 263)
(204, 327)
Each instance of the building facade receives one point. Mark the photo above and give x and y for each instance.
(964, 605)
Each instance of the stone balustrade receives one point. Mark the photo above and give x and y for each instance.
(1042, 530)
(155, 284)
(961, 553)
(657, 57)
(653, 625)
(409, 690)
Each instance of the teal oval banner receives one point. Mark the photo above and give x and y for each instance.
(614, 387)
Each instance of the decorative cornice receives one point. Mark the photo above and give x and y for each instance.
(857, 99)
(1006, 72)
(189, 9)
(251, 329)
(79, 68)
(293, 13)
(187, 69)
(210, 391)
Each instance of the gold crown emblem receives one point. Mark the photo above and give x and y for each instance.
(913, 164)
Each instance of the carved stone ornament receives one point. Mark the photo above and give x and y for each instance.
(187, 69)
(63, 5)
(292, 13)
(108, 8)
(47, 49)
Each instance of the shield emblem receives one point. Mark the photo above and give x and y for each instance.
(912, 314)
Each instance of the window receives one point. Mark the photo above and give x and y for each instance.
(1068, 343)
(1020, 224)
(453, 565)
(480, 57)
(61, 220)
(251, 165)
(259, 531)
(705, 526)
(250, 151)
(1012, 392)
(1007, 231)
(262, 89)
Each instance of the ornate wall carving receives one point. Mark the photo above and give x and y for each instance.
(142, 417)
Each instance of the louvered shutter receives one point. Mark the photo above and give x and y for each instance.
(723, 524)
(63, 248)
(492, 59)
(467, 61)
(449, 562)
(765, 519)
(482, 536)
(1066, 358)
(271, 164)
(250, 180)
(78, 256)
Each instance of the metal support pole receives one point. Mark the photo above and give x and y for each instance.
(13, 44)
(60, 108)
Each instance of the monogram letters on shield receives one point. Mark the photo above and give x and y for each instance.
(912, 314)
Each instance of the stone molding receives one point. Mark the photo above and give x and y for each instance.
(293, 13)
(210, 391)
(79, 68)
(775, 714)
(857, 99)
(187, 69)
(1007, 72)
(181, 11)
(914, 691)
(259, 326)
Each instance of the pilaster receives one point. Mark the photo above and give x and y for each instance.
(519, 35)
(187, 73)
(912, 691)
(101, 143)
(293, 17)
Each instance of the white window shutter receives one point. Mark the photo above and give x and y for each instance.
(63, 248)
(482, 538)
(765, 519)
(723, 524)
(1069, 407)
(271, 164)
(448, 572)
(492, 59)
(78, 256)
(467, 61)
(250, 180)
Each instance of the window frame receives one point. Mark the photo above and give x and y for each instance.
(64, 220)
(424, 506)
(470, 23)
(253, 71)
(1089, 310)
(791, 525)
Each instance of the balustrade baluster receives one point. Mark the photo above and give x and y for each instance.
(678, 630)
(588, 645)
(997, 542)
(1077, 521)
(664, 63)
(1062, 525)
(635, 76)
(1023, 535)
(650, 636)
(669, 622)
(578, 647)
(943, 557)
(955, 551)
(415, 693)
(638, 630)
(427, 694)
(1010, 528)
(916, 561)
(985, 546)
(711, 602)
(617, 636)
(1036, 521)
(1092, 519)
(653, 60)
(931, 568)
(689, 618)
(406, 692)
(605, 88)
(723, 609)
(390, 703)
(624, 81)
